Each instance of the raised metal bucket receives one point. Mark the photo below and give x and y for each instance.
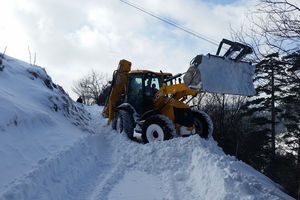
(217, 74)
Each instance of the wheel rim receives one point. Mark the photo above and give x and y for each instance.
(154, 133)
(199, 126)
(119, 125)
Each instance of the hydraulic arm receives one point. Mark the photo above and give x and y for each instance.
(118, 85)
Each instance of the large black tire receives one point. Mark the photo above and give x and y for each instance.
(123, 123)
(203, 123)
(114, 121)
(157, 128)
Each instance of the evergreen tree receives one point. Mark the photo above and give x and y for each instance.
(291, 100)
(262, 111)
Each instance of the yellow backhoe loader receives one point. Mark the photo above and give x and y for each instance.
(156, 104)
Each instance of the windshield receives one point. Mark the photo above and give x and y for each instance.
(169, 82)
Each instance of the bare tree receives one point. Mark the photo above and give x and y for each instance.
(34, 58)
(3, 54)
(90, 87)
(282, 20)
(225, 112)
(274, 27)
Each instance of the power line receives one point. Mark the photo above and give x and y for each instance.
(198, 35)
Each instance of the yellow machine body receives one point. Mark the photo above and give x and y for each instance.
(165, 99)
(119, 84)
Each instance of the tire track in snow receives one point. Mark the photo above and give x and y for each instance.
(109, 171)
(85, 186)
(106, 181)
(54, 178)
(170, 188)
(96, 183)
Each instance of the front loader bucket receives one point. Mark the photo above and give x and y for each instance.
(217, 74)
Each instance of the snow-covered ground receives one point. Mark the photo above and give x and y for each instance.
(54, 148)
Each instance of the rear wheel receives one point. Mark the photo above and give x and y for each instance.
(203, 124)
(123, 122)
(157, 128)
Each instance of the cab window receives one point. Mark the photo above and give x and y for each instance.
(169, 82)
(135, 90)
(152, 84)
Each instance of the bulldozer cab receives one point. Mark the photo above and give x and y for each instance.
(142, 86)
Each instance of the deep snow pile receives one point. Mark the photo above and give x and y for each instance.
(47, 151)
(34, 116)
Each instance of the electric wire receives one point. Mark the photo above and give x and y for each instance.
(187, 30)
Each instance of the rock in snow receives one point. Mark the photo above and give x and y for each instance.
(54, 148)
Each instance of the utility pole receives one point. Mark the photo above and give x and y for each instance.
(272, 109)
(272, 65)
(298, 169)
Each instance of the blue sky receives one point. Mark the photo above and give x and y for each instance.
(71, 39)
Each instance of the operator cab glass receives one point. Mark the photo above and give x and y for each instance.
(152, 84)
(142, 88)
(168, 82)
(135, 91)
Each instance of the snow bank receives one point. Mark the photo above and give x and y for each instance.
(34, 116)
(54, 177)
(193, 168)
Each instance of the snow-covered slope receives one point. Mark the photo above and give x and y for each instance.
(54, 148)
(34, 117)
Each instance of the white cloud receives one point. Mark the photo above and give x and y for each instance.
(73, 37)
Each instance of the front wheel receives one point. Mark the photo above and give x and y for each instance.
(123, 122)
(157, 128)
(203, 123)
